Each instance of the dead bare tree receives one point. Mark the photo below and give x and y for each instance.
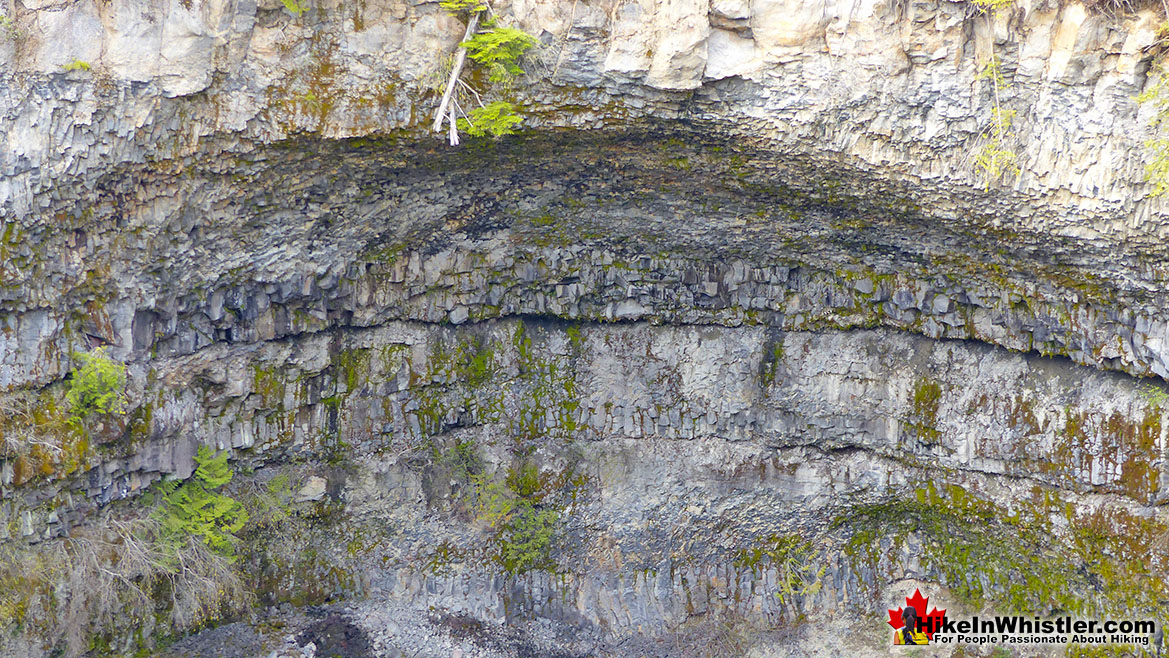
(448, 97)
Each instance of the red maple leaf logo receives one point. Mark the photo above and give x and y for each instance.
(929, 623)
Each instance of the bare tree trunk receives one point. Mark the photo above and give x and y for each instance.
(454, 137)
(456, 71)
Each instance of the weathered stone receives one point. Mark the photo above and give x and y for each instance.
(313, 489)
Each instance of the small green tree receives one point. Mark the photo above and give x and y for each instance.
(524, 526)
(193, 508)
(799, 574)
(96, 386)
(526, 538)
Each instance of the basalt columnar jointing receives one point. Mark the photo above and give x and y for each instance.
(728, 350)
(744, 389)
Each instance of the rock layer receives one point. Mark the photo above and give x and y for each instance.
(890, 87)
(769, 359)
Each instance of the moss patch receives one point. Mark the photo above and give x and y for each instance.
(1105, 563)
(927, 397)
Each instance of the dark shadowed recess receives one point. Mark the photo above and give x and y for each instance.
(654, 187)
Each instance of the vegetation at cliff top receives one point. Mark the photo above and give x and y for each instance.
(498, 50)
(993, 158)
(993, 5)
(457, 7)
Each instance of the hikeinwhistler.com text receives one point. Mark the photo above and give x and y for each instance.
(1017, 629)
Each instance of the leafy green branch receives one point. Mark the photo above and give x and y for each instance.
(77, 65)
(994, 158)
(499, 49)
(497, 118)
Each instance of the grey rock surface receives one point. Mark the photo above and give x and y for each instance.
(886, 86)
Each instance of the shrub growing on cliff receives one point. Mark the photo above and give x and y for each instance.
(801, 572)
(499, 49)
(79, 594)
(194, 509)
(295, 7)
(523, 525)
(798, 564)
(9, 30)
(270, 504)
(527, 539)
(96, 385)
(1157, 169)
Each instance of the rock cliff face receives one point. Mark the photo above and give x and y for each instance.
(887, 86)
(734, 327)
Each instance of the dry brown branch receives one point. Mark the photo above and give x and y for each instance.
(110, 580)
